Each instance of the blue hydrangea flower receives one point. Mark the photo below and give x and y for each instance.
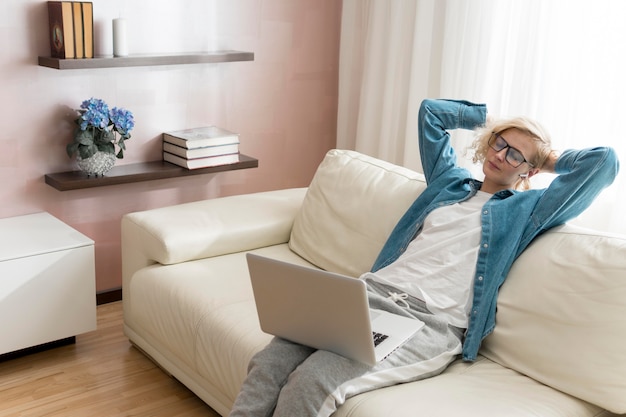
(123, 120)
(96, 114)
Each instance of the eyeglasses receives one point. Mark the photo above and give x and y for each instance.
(513, 156)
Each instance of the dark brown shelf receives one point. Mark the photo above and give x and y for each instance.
(146, 60)
(145, 171)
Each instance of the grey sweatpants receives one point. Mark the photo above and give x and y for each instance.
(288, 379)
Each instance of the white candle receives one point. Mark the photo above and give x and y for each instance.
(120, 46)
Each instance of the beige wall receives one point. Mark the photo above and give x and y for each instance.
(283, 104)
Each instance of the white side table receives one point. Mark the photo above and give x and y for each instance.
(47, 282)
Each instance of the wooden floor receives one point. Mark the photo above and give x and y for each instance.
(100, 375)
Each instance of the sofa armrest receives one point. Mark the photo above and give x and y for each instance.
(207, 228)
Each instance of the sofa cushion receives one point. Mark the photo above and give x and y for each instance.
(562, 316)
(478, 389)
(350, 208)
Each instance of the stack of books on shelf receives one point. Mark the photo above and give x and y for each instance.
(71, 29)
(201, 147)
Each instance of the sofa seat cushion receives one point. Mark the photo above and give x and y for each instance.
(562, 315)
(202, 315)
(482, 388)
(349, 191)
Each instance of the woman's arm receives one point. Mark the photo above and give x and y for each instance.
(582, 175)
(435, 118)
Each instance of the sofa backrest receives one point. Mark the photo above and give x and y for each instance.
(562, 315)
(351, 206)
(561, 312)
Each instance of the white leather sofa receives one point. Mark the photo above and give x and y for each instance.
(559, 348)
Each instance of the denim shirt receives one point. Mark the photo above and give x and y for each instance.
(510, 219)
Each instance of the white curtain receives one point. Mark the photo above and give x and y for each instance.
(560, 62)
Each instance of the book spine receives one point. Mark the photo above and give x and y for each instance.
(88, 28)
(200, 143)
(201, 162)
(61, 29)
(201, 152)
(79, 41)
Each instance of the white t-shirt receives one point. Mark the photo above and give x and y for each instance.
(439, 264)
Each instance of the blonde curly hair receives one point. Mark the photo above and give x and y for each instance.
(533, 129)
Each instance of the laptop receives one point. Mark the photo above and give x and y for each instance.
(324, 310)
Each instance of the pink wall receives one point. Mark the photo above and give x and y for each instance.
(283, 104)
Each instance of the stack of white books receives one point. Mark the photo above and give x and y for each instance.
(201, 147)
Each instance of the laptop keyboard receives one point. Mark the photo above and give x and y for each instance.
(379, 338)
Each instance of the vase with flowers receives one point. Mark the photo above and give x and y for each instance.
(100, 136)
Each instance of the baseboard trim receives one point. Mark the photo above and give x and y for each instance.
(108, 296)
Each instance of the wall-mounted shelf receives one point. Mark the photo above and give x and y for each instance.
(144, 171)
(147, 60)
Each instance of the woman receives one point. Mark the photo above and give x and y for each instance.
(444, 261)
